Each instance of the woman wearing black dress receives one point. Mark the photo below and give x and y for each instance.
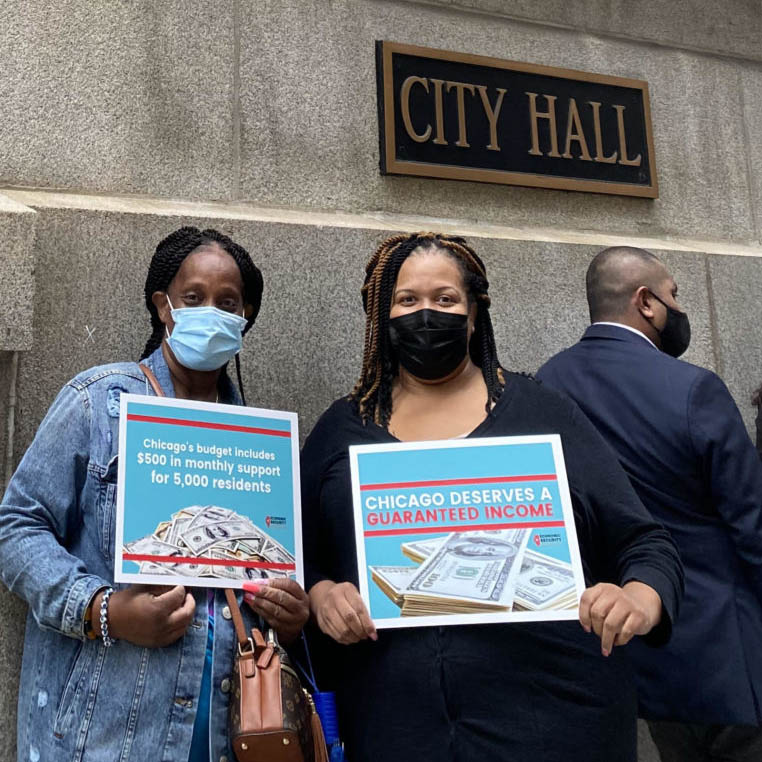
(533, 692)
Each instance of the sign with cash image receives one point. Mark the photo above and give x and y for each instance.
(465, 531)
(207, 494)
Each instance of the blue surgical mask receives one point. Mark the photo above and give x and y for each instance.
(205, 338)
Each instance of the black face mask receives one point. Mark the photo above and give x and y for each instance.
(676, 334)
(430, 344)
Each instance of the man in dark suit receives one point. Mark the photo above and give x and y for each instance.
(683, 444)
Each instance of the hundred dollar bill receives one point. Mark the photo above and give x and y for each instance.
(200, 538)
(208, 514)
(176, 528)
(147, 567)
(240, 572)
(543, 582)
(191, 570)
(472, 568)
(251, 546)
(277, 553)
(420, 550)
(227, 572)
(393, 580)
(151, 546)
(155, 548)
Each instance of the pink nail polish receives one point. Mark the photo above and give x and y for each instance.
(251, 587)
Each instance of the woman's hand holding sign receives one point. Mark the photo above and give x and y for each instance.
(341, 613)
(145, 615)
(616, 614)
(283, 604)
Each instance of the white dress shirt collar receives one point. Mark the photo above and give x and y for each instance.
(628, 328)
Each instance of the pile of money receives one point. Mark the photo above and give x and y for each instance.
(471, 572)
(544, 583)
(392, 580)
(210, 532)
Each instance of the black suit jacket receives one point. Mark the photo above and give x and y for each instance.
(682, 442)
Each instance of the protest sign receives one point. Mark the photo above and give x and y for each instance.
(208, 494)
(465, 531)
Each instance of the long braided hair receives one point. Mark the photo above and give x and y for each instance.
(166, 261)
(372, 394)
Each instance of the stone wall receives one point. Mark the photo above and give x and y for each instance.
(123, 121)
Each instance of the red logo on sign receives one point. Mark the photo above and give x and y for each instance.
(537, 540)
(267, 520)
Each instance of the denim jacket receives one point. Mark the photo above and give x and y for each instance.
(78, 700)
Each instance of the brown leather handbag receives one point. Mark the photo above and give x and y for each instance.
(272, 717)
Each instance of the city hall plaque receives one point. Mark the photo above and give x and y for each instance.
(465, 117)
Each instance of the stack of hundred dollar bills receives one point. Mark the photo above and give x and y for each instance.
(477, 572)
(209, 531)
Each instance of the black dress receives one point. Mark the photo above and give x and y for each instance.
(534, 692)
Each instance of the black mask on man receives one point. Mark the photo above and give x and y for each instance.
(676, 334)
(430, 344)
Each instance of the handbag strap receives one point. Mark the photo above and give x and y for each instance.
(155, 385)
(240, 629)
(262, 650)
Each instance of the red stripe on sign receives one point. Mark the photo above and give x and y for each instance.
(210, 561)
(454, 482)
(205, 425)
(467, 528)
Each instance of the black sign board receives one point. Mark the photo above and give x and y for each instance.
(465, 117)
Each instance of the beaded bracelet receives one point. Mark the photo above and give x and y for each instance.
(107, 641)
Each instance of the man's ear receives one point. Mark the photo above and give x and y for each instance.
(643, 301)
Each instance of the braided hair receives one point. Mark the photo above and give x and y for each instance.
(372, 394)
(166, 261)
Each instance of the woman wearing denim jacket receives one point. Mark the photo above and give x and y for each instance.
(161, 691)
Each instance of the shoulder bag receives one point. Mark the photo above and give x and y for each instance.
(272, 717)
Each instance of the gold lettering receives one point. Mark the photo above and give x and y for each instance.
(622, 140)
(492, 114)
(460, 88)
(550, 115)
(405, 104)
(599, 137)
(439, 112)
(578, 135)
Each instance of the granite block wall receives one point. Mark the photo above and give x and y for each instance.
(310, 64)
